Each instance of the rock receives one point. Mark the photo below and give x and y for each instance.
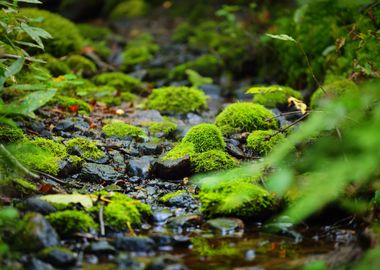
(150, 149)
(118, 159)
(211, 89)
(135, 244)
(182, 199)
(36, 234)
(226, 225)
(162, 215)
(141, 167)
(38, 205)
(235, 151)
(36, 264)
(101, 248)
(186, 220)
(194, 119)
(58, 256)
(173, 169)
(148, 115)
(65, 125)
(94, 172)
(134, 179)
(67, 168)
(125, 261)
(165, 263)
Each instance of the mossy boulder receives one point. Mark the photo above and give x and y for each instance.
(10, 134)
(331, 91)
(212, 160)
(66, 36)
(245, 117)
(274, 95)
(122, 130)
(129, 9)
(119, 81)
(263, 141)
(72, 104)
(179, 151)
(94, 32)
(176, 99)
(84, 148)
(55, 148)
(205, 137)
(69, 222)
(165, 127)
(80, 64)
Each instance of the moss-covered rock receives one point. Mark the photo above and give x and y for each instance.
(212, 160)
(176, 100)
(332, 91)
(66, 36)
(169, 196)
(84, 148)
(72, 104)
(164, 127)
(205, 65)
(263, 141)
(119, 81)
(9, 134)
(69, 222)
(129, 9)
(53, 147)
(16, 187)
(122, 130)
(94, 32)
(56, 66)
(179, 151)
(273, 96)
(205, 137)
(245, 117)
(80, 64)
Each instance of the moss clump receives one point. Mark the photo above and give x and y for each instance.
(54, 65)
(212, 160)
(174, 99)
(167, 197)
(332, 91)
(123, 212)
(94, 32)
(66, 36)
(205, 65)
(80, 64)
(273, 96)
(129, 9)
(263, 141)
(9, 134)
(69, 222)
(16, 187)
(72, 104)
(84, 148)
(55, 148)
(245, 117)
(118, 80)
(122, 130)
(165, 127)
(205, 137)
(179, 151)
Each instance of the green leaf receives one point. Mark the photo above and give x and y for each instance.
(36, 34)
(282, 37)
(66, 199)
(12, 70)
(30, 1)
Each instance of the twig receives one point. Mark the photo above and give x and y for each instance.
(12, 56)
(282, 114)
(287, 127)
(16, 163)
(101, 222)
(55, 179)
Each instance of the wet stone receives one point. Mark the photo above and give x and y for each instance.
(162, 215)
(150, 149)
(101, 248)
(39, 206)
(36, 264)
(235, 151)
(184, 200)
(173, 169)
(194, 119)
(94, 172)
(135, 244)
(58, 257)
(141, 167)
(185, 220)
(226, 225)
(165, 263)
(67, 168)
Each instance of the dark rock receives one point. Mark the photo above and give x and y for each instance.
(165, 263)
(68, 168)
(183, 199)
(98, 172)
(235, 151)
(36, 234)
(181, 241)
(141, 167)
(58, 256)
(72, 124)
(186, 220)
(135, 244)
(211, 89)
(38, 205)
(226, 225)
(150, 149)
(125, 261)
(173, 169)
(101, 248)
(162, 215)
(118, 159)
(36, 264)
(134, 179)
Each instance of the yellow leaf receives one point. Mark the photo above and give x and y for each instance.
(292, 101)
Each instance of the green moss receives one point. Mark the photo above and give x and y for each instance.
(273, 96)
(205, 137)
(69, 222)
(205, 65)
(94, 32)
(245, 117)
(122, 130)
(212, 160)
(123, 211)
(33, 74)
(46, 251)
(263, 141)
(55, 148)
(182, 32)
(165, 127)
(179, 151)
(176, 99)
(129, 9)
(66, 36)
(167, 197)
(80, 64)
(333, 90)
(10, 134)
(86, 148)
(69, 102)
(118, 80)
(208, 248)
(16, 187)
(55, 66)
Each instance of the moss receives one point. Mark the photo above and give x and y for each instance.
(245, 117)
(47, 251)
(118, 80)
(85, 148)
(205, 65)
(205, 137)
(273, 96)
(72, 104)
(122, 130)
(94, 32)
(333, 90)
(33, 74)
(54, 65)
(212, 160)
(80, 64)
(179, 151)
(208, 248)
(178, 99)
(167, 197)
(263, 141)
(16, 187)
(55, 148)
(9, 134)
(129, 9)
(66, 36)
(165, 127)
(123, 211)
(182, 32)
(69, 222)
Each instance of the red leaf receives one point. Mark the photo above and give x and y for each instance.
(74, 108)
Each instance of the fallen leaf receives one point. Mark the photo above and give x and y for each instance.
(292, 101)
(66, 199)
